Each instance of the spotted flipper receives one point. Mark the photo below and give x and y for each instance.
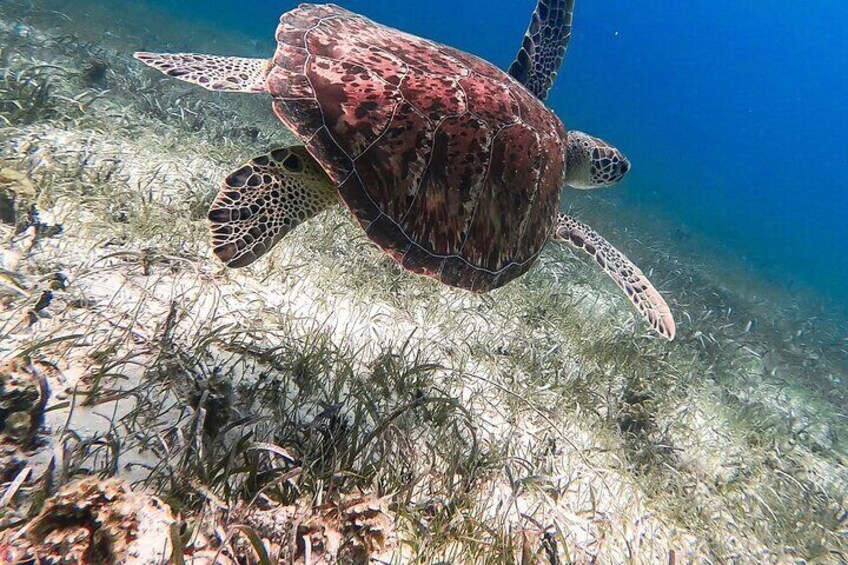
(543, 49)
(264, 200)
(229, 74)
(626, 275)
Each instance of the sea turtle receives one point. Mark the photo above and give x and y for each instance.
(450, 165)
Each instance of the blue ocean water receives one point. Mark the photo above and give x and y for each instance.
(733, 113)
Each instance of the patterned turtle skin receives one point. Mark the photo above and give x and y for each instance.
(449, 164)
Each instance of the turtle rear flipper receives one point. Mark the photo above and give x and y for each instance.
(212, 72)
(264, 200)
(626, 275)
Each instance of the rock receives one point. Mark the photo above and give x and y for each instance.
(22, 399)
(93, 521)
(355, 529)
(15, 187)
(369, 527)
(20, 390)
(17, 183)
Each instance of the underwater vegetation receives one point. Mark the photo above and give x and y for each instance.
(323, 404)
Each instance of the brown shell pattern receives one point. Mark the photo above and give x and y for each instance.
(447, 163)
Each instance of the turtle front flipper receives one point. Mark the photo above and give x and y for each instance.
(626, 275)
(544, 46)
(212, 72)
(264, 200)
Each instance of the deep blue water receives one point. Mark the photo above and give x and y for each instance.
(735, 114)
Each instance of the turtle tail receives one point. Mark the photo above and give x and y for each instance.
(212, 72)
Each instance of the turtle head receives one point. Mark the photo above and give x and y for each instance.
(592, 163)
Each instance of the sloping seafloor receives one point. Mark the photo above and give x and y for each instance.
(323, 404)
